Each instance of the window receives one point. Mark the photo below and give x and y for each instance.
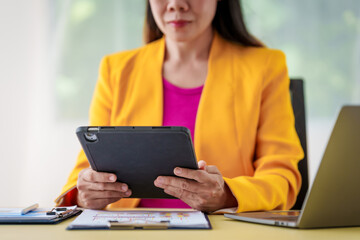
(85, 31)
(321, 40)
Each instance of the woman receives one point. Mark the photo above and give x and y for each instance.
(200, 65)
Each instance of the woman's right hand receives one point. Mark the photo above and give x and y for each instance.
(98, 189)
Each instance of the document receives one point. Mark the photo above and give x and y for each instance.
(38, 215)
(139, 219)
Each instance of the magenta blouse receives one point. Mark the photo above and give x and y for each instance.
(180, 108)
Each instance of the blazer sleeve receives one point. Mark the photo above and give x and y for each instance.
(276, 180)
(100, 113)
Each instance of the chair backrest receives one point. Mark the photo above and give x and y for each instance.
(297, 99)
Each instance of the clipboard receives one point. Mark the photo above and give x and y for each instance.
(37, 216)
(140, 220)
(115, 225)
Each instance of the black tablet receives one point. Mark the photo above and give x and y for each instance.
(138, 155)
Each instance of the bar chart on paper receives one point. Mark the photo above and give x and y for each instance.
(93, 219)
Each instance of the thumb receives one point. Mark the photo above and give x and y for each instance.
(202, 164)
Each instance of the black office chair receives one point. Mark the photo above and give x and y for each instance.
(297, 99)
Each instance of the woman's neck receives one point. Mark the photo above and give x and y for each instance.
(185, 51)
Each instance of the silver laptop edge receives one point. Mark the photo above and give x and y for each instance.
(333, 200)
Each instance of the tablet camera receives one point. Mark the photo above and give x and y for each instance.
(91, 137)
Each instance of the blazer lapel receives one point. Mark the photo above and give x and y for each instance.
(145, 103)
(213, 125)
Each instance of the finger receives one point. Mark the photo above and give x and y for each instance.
(93, 195)
(201, 164)
(184, 195)
(188, 200)
(98, 203)
(179, 183)
(93, 176)
(116, 186)
(197, 175)
(212, 169)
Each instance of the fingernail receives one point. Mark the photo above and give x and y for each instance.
(112, 178)
(177, 170)
(124, 187)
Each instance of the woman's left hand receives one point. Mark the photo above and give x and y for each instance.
(203, 189)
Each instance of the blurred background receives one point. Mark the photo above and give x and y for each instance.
(50, 52)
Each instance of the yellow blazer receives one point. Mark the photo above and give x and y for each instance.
(244, 124)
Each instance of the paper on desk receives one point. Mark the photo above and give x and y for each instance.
(16, 212)
(100, 219)
(39, 213)
(10, 211)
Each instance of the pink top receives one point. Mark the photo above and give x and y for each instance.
(180, 108)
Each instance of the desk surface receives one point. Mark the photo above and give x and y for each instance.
(223, 228)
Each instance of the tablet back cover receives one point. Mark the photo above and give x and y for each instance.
(138, 155)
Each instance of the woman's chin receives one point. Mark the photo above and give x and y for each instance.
(180, 37)
(186, 34)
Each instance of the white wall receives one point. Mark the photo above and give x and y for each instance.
(13, 88)
(36, 151)
(318, 134)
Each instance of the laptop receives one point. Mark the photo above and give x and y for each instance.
(333, 200)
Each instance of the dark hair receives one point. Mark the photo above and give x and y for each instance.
(228, 22)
